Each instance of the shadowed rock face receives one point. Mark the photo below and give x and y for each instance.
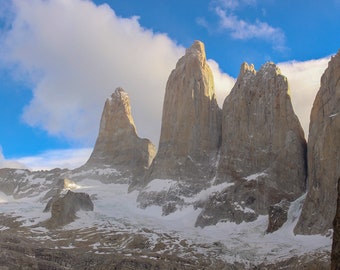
(191, 129)
(323, 155)
(263, 148)
(64, 208)
(335, 258)
(117, 144)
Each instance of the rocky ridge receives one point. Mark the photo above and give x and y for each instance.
(263, 148)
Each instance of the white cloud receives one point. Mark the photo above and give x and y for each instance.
(62, 158)
(9, 163)
(233, 4)
(223, 82)
(240, 29)
(76, 54)
(304, 81)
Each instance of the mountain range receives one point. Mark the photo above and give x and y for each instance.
(232, 188)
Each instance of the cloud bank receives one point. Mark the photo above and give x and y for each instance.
(9, 163)
(62, 158)
(304, 82)
(76, 53)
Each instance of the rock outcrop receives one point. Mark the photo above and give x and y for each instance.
(335, 257)
(65, 207)
(54, 193)
(191, 121)
(117, 144)
(278, 215)
(263, 149)
(323, 155)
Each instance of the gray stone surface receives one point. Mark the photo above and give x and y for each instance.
(65, 207)
(335, 256)
(191, 121)
(323, 155)
(263, 151)
(118, 144)
(277, 215)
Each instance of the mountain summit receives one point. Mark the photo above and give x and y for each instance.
(118, 144)
(263, 148)
(190, 132)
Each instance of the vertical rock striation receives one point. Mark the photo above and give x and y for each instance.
(117, 144)
(263, 148)
(191, 124)
(323, 155)
(260, 131)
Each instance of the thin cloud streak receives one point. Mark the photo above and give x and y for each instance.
(61, 158)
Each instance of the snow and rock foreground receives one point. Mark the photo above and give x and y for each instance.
(118, 231)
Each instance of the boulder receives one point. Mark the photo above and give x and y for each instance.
(278, 215)
(65, 207)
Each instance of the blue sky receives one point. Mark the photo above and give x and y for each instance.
(60, 59)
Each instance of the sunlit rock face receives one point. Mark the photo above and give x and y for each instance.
(117, 144)
(323, 155)
(191, 121)
(263, 151)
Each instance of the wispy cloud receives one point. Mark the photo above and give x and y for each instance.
(62, 158)
(233, 4)
(240, 28)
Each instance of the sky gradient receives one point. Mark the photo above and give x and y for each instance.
(60, 60)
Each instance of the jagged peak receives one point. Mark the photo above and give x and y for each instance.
(270, 68)
(247, 68)
(119, 94)
(197, 48)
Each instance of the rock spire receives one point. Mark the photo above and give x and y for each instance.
(117, 144)
(191, 124)
(263, 148)
(323, 154)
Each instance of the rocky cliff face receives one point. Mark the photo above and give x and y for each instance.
(263, 148)
(335, 258)
(117, 144)
(191, 129)
(323, 154)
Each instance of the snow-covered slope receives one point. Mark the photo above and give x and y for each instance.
(116, 210)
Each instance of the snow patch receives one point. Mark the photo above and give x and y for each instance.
(204, 194)
(159, 185)
(255, 176)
